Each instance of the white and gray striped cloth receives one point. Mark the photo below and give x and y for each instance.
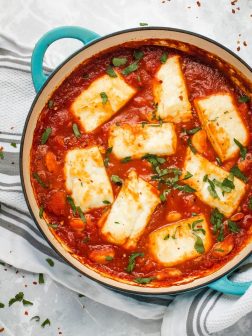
(199, 313)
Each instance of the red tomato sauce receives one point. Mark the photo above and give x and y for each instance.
(47, 161)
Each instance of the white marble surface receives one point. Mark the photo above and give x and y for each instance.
(27, 21)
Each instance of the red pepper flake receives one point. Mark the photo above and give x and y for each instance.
(233, 11)
(245, 44)
(1, 329)
(26, 312)
(198, 3)
(25, 285)
(35, 283)
(238, 48)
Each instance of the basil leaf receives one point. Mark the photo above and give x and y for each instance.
(199, 246)
(41, 278)
(38, 179)
(50, 104)
(50, 262)
(163, 196)
(41, 211)
(237, 173)
(244, 99)
(164, 57)
(119, 61)
(81, 214)
(111, 72)
(138, 54)
(131, 68)
(216, 220)
(132, 261)
(193, 130)
(126, 159)
(144, 281)
(18, 298)
(71, 203)
(46, 322)
(233, 227)
(243, 150)
(46, 135)
(104, 97)
(13, 144)
(116, 179)
(187, 176)
(76, 130)
(184, 188)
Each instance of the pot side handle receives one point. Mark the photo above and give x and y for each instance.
(79, 33)
(227, 286)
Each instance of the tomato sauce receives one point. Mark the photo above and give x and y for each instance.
(202, 77)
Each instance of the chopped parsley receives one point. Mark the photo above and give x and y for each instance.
(144, 281)
(237, 173)
(233, 227)
(250, 203)
(106, 202)
(116, 222)
(187, 176)
(111, 72)
(2, 305)
(41, 278)
(164, 194)
(76, 131)
(41, 211)
(116, 179)
(104, 97)
(13, 144)
(196, 228)
(138, 54)
(193, 130)
(50, 262)
(132, 261)
(216, 220)
(106, 160)
(198, 245)
(164, 57)
(18, 298)
(27, 303)
(131, 68)
(38, 179)
(243, 150)
(1, 154)
(109, 258)
(119, 61)
(166, 237)
(50, 104)
(47, 132)
(142, 24)
(46, 322)
(126, 159)
(193, 149)
(36, 318)
(211, 187)
(244, 99)
(71, 203)
(218, 160)
(81, 214)
(184, 188)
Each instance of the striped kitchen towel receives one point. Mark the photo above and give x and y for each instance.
(21, 244)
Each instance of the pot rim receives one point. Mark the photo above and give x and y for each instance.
(136, 291)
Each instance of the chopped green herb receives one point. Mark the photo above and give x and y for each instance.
(193, 149)
(81, 214)
(166, 236)
(250, 203)
(218, 160)
(76, 131)
(196, 228)
(219, 250)
(199, 246)
(216, 220)
(194, 214)
(71, 203)
(13, 144)
(86, 240)
(116, 179)
(46, 135)
(163, 196)
(243, 150)
(41, 278)
(27, 303)
(184, 188)
(50, 262)
(111, 72)
(131, 68)
(18, 298)
(104, 97)
(164, 57)
(126, 159)
(1, 154)
(193, 130)
(211, 187)
(46, 322)
(144, 281)
(86, 76)
(187, 176)
(106, 160)
(237, 173)
(142, 24)
(50, 104)
(53, 225)
(41, 211)
(109, 258)
(38, 179)
(81, 295)
(132, 261)
(138, 54)
(119, 61)
(106, 202)
(244, 99)
(116, 222)
(2, 305)
(233, 227)
(36, 318)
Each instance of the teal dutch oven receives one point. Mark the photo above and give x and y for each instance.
(44, 86)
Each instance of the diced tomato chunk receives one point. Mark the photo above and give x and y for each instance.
(77, 224)
(56, 202)
(51, 162)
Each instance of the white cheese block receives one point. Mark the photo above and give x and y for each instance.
(90, 109)
(221, 120)
(170, 92)
(199, 167)
(175, 243)
(86, 178)
(130, 212)
(135, 140)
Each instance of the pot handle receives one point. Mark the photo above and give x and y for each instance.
(227, 286)
(79, 33)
